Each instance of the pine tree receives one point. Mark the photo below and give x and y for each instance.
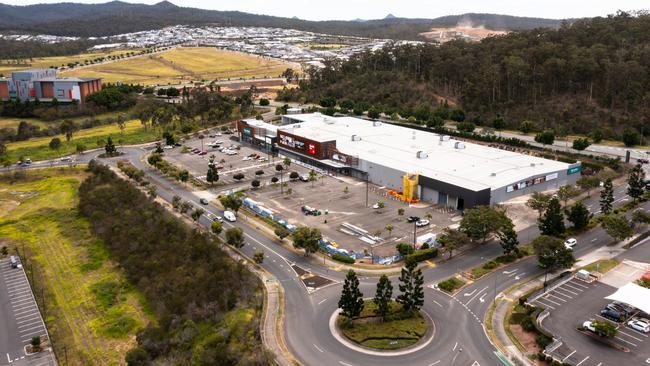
(213, 174)
(508, 240)
(383, 296)
(579, 215)
(607, 197)
(351, 301)
(412, 293)
(110, 147)
(552, 221)
(636, 182)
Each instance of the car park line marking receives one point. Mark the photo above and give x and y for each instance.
(551, 301)
(455, 345)
(543, 304)
(344, 364)
(569, 291)
(31, 314)
(25, 310)
(437, 303)
(626, 341)
(478, 293)
(322, 301)
(556, 292)
(435, 363)
(629, 335)
(569, 355)
(574, 288)
(318, 348)
(585, 359)
(579, 285)
(558, 298)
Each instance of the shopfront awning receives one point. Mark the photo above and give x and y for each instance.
(633, 295)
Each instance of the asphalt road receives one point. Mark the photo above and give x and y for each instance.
(460, 338)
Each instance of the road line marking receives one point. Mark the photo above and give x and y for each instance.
(569, 355)
(551, 301)
(470, 293)
(579, 285)
(344, 364)
(318, 348)
(474, 297)
(455, 345)
(322, 301)
(545, 305)
(594, 239)
(558, 298)
(437, 303)
(569, 291)
(579, 363)
(629, 335)
(435, 363)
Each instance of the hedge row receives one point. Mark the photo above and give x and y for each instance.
(342, 258)
(422, 255)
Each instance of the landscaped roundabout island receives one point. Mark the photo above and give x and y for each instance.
(398, 330)
(383, 323)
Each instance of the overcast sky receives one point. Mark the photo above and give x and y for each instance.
(374, 9)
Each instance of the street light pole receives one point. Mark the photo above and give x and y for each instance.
(415, 227)
(494, 300)
(367, 188)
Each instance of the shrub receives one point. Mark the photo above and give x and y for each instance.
(423, 254)
(404, 249)
(450, 284)
(543, 341)
(343, 258)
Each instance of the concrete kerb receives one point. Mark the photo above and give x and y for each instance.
(369, 351)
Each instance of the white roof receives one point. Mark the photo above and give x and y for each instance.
(475, 167)
(633, 295)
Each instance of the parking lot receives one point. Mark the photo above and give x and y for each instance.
(570, 305)
(343, 218)
(21, 318)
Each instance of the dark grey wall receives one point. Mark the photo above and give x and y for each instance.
(471, 198)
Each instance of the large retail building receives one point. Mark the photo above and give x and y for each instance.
(420, 165)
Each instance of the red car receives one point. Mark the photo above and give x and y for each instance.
(203, 152)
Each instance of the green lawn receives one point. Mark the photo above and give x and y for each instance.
(391, 334)
(90, 308)
(38, 148)
(450, 284)
(12, 122)
(602, 265)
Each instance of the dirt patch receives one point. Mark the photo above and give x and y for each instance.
(526, 339)
(7, 206)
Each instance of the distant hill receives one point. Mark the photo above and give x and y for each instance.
(116, 17)
(390, 16)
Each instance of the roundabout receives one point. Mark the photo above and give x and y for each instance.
(424, 340)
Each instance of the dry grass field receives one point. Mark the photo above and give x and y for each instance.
(184, 64)
(6, 66)
(91, 309)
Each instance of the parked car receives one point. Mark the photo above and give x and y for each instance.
(168, 147)
(642, 161)
(204, 201)
(589, 325)
(627, 310)
(217, 218)
(412, 219)
(203, 153)
(14, 261)
(228, 215)
(639, 325)
(66, 159)
(647, 185)
(422, 223)
(611, 314)
(570, 243)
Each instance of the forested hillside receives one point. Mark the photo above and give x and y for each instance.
(115, 17)
(206, 304)
(592, 74)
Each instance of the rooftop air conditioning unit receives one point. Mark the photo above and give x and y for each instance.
(329, 121)
(376, 123)
(459, 145)
(493, 174)
(444, 137)
(356, 138)
(422, 155)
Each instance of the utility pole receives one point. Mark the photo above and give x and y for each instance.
(415, 228)
(494, 300)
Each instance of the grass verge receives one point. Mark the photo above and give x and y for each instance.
(39, 149)
(89, 308)
(370, 331)
(451, 284)
(603, 265)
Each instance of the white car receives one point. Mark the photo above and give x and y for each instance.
(168, 147)
(570, 243)
(228, 215)
(66, 158)
(589, 326)
(247, 158)
(421, 223)
(639, 325)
